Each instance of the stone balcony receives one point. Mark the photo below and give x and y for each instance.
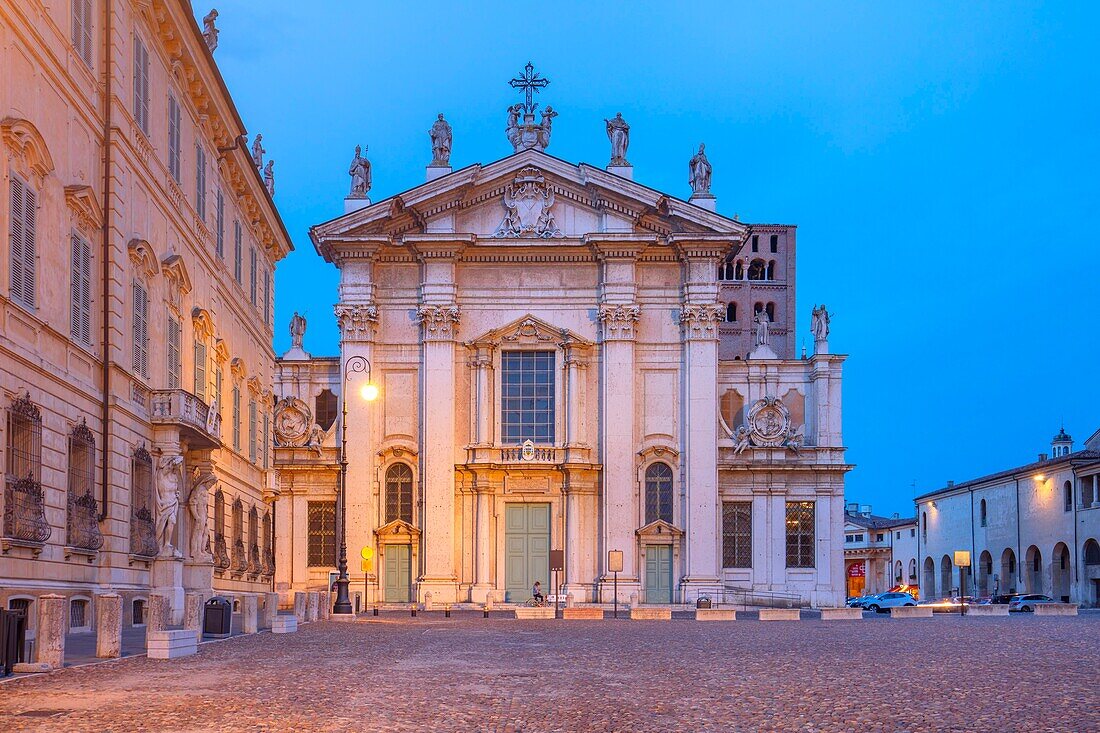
(193, 417)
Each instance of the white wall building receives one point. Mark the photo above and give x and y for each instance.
(546, 340)
(1030, 529)
(880, 553)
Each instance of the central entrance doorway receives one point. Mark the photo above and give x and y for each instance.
(526, 550)
(398, 571)
(658, 574)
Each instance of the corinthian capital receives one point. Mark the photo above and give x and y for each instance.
(440, 322)
(356, 320)
(700, 321)
(618, 320)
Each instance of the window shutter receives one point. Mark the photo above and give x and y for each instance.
(16, 239)
(81, 290)
(30, 211)
(267, 298)
(221, 225)
(252, 275)
(87, 8)
(200, 370)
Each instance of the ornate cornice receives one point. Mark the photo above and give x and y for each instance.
(440, 322)
(27, 142)
(143, 257)
(700, 321)
(618, 321)
(85, 207)
(357, 321)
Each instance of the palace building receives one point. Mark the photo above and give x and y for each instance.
(565, 359)
(136, 291)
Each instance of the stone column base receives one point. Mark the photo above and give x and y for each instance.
(168, 582)
(443, 590)
(344, 617)
(581, 592)
(479, 592)
(627, 588)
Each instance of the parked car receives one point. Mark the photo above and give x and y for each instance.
(889, 600)
(1002, 599)
(859, 601)
(1027, 603)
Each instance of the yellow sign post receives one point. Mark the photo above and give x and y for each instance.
(367, 553)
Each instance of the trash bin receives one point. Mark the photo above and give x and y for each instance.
(702, 602)
(217, 617)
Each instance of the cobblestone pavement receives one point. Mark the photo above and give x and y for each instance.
(472, 674)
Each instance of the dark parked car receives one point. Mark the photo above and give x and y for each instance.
(1003, 599)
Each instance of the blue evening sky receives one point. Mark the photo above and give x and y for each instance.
(939, 159)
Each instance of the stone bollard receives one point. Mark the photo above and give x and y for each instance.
(301, 600)
(50, 637)
(325, 605)
(108, 626)
(271, 608)
(313, 606)
(193, 607)
(569, 600)
(249, 614)
(158, 613)
(428, 601)
(633, 600)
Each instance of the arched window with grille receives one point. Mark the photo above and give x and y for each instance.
(254, 561)
(143, 538)
(658, 493)
(238, 553)
(24, 498)
(221, 549)
(82, 530)
(399, 492)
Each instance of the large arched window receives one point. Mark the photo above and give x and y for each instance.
(83, 520)
(658, 493)
(1092, 552)
(757, 270)
(399, 493)
(912, 570)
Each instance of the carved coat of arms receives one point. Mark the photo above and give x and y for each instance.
(527, 203)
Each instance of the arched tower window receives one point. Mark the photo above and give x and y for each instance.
(658, 493)
(771, 270)
(731, 312)
(1067, 495)
(757, 270)
(770, 310)
(399, 493)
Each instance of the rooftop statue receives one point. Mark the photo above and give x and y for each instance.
(441, 142)
(522, 130)
(360, 175)
(258, 151)
(269, 178)
(297, 330)
(700, 171)
(618, 132)
(209, 32)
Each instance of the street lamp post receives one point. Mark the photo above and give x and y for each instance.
(354, 365)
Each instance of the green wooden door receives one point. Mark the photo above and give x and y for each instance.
(658, 574)
(397, 574)
(526, 549)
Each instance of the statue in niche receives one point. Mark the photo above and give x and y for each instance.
(258, 151)
(360, 175)
(763, 327)
(819, 323)
(700, 171)
(441, 142)
(297, 330)
(209, 32)
(169, 475)
(618, 132)
(269, 178)
(198, 504)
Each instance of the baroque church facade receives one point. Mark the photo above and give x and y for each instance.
(565, 359)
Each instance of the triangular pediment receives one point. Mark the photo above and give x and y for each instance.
(397, 528)
(659, 528)
(530, 330)
(581, 200)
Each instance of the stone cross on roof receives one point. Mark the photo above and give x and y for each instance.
(529, 82)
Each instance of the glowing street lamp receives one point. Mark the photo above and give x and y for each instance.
(369, 392)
